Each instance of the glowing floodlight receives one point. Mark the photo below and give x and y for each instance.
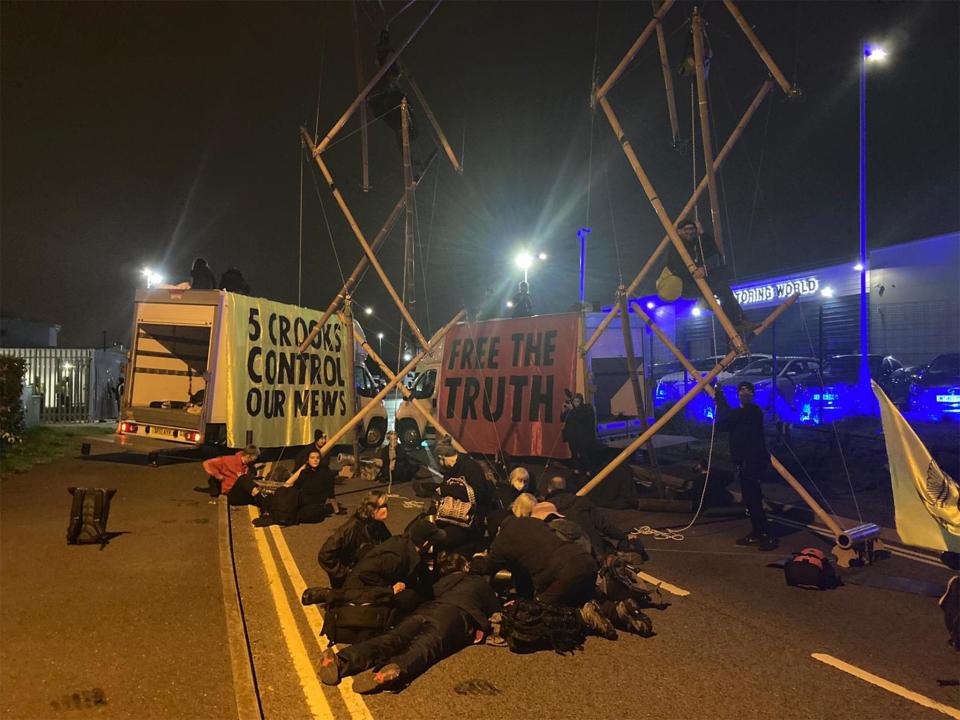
(827, 292)
(858, 267)
(874, 54)
(368, 311)
(696, 312)
(524, 260)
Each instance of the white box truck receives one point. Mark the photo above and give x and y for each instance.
(209, 366)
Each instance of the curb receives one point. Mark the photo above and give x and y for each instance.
(241, 661)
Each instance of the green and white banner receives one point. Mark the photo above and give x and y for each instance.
(273, 390)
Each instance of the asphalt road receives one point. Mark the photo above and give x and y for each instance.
(144, 622)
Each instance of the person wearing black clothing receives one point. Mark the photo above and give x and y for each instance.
(580, 431)
(457, 618)
(317, 485)
(395, 466)
(522, 302)
(709, 266)
(233, 281)
(748, 450)
(505, 493)
(465, 498)
(592, 520)
(201, 276)
(303, 453)
(352, 540)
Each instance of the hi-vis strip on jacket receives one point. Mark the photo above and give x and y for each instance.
(274, 390)
(927, 500)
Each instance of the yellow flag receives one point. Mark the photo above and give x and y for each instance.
(926, 499)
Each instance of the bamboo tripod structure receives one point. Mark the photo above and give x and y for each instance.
(708, 182)
(341, 302)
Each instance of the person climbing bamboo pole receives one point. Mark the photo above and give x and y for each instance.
(696, 272)
(665, 242)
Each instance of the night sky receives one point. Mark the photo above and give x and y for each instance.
(148, 134)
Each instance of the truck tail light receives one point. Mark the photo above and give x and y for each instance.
(129, 427)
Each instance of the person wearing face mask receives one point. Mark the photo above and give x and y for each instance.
(352, 540)
(465, 498)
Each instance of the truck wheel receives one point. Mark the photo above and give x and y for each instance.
(376, 431)
(409, 435)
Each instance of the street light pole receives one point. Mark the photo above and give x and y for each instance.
(864, 310)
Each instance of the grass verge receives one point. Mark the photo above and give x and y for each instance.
(44, 443)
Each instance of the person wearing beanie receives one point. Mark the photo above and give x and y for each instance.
(465, 498)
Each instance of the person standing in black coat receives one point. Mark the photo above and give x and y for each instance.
(748, 450)
(465, 498)
(352, 540)
(457, 618)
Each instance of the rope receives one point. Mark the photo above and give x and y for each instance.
(593, 111)
(323, 55)
(613, 223)
(333, 245)
(300, 235)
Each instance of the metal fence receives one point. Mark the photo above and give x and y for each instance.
(74, 384)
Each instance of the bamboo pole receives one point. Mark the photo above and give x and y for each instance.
(358, 64)
(355, 275)
(761, 50)
(632, 52)
(347, 318)
(680, 404)
(704, 109)
(375, 400)
(668, 80)
(734, 136)
(624, 303)
(391, 59)
(362, 240)
(668, 225)
(418, 405)
(781, 470)
(425, 106)
(409, 269)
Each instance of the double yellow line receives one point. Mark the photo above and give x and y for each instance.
(306, 672)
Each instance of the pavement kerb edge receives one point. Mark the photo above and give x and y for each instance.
(241, 663)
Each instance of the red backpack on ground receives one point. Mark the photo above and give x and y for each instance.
(810, 568)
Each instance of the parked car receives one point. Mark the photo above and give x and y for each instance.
(674, 385)
(791, 371)
(836, 394)
(935, 390)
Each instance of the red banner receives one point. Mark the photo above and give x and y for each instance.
(502, 383)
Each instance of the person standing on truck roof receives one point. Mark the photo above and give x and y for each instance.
(201, 276)
(231, 476)
(233, 281)
(522, 302)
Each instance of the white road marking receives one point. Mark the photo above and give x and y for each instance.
(672, 589)
(887, 685)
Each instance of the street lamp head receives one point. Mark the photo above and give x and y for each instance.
(874, 53)
(380, 336)
(407, 357)
(858, 267)
(524, 260)
(368, 311)
(542, 256)
(696, 312)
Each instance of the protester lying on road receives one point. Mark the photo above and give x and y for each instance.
(233, 476)
(455, 619)
(389, 581)
(352, 540)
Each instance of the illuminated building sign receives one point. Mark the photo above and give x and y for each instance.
(753, 294)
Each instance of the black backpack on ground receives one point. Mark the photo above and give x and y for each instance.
(88, 516)
(529, 626)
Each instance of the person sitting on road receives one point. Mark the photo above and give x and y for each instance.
(389, 581)
(303, 453)
(561, 573)
(232, 475)
(457, 618)
(517, 483)
(308, 495)
(352, 540)
(395, 464)
(465, 496)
